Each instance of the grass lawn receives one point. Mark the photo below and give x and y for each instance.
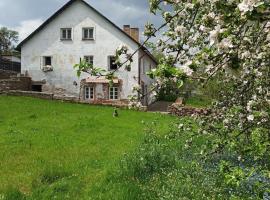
(198, 102)
(54, 150)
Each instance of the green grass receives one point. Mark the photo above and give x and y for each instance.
(198, 102)
(54, 150)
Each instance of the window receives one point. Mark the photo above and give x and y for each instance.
(88, 34)
(143, 66)
(47, 61)
(66, 33)
(112, 64)
(89, 93)
(89, 59)
(113, 93)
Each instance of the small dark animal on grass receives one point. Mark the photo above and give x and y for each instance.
(115, 112)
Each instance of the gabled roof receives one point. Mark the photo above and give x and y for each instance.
(68, 4)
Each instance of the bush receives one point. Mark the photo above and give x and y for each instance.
(172, 167)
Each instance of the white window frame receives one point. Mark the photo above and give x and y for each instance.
(89, 93)
(88, 33)
(114, 93)
(89, 59)
(65, 29)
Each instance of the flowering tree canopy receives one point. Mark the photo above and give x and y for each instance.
(230, 39)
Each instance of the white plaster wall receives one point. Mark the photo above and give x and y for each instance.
(67, 53)
(146, 61)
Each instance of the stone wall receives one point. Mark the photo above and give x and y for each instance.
(180, 110)
(6, 74)
(15, 83)
(41, 95)
(51, 96)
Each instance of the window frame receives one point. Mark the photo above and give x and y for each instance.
(83, 33)
(89, 56)
(89, 93)
(109, 63)
(44, 60)
(114, 94)
(67, 38)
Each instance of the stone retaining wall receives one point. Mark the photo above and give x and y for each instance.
(6, 74)
(15, 83)
(51, 96)
(180, 110)
(41, 95)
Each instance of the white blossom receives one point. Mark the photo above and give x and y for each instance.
(213, 35)
(181, 30)
(250, 117)
(186, 69)
(248, 5)
(225, 44)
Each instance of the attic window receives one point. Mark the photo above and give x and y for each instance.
(88, 34)
(66, 34)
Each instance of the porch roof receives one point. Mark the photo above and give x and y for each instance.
(100, 80)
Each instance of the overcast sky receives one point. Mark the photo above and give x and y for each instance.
(26, 15)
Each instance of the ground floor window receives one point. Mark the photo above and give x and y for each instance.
(114, 93)
(89, 93)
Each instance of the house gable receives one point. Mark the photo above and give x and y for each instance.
(67, 5)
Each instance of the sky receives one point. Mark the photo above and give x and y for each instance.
(25, 16)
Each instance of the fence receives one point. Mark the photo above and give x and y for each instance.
(9, 65)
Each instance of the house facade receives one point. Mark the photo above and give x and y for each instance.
(78, 31)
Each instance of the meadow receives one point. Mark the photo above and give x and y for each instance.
(56, 150)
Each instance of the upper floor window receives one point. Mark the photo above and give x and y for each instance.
(88, 34)
(89, 59)
(47, 61)
(112, 64)
(66, 34)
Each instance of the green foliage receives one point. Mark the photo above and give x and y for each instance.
(152, 157)
(7, 39)
(171, 166)
(86, 67)
(168, 92)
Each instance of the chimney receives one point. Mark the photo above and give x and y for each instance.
(133, 32)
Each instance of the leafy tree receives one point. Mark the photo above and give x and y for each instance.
(7, 39)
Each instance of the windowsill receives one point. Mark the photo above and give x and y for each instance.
(84, 39)
(66, 39)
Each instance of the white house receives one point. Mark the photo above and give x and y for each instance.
(78, 31)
